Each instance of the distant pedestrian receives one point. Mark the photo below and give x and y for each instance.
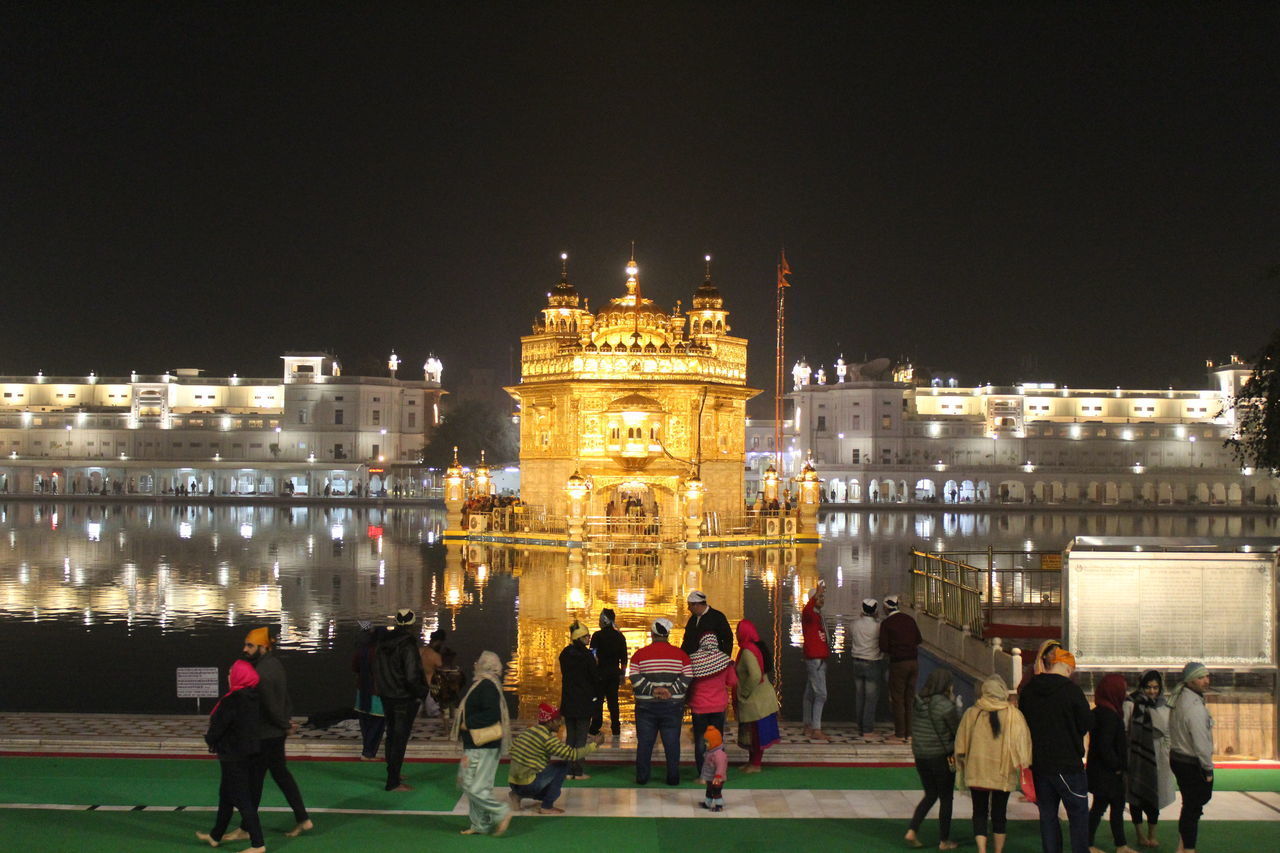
(993, 746)
(714, 768)
(577, 691)
(368, 703)
(713, 678)
(934, 722)
(482, 746)
(816, 652)
(900, 639)
(538, 759)
(1108, 758)
(864, 648)
(610, 648)
(402, 686)
(1191, 750)
(660, 675)
(1059, 718)
(756, 702)
(1150, 778)
(233, 735)
(703, 618)
(275, 725)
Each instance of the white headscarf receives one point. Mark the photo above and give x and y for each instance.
(488, 668)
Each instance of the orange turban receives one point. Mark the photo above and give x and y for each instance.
(1061, 655)
(259, 637)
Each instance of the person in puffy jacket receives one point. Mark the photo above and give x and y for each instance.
(401, 685)
(578, 685)
(233, 736)
(934, 721)
(993, 745)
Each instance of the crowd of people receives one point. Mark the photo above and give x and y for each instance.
(1141, 744)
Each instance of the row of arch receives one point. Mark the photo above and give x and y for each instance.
(1104, 492)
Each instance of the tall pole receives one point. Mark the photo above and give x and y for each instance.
(779, 367)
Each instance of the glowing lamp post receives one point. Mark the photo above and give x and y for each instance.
(810, 495)
(481, 482)
(770, 486)
(454, 492)
(693, 493)
(576, 490)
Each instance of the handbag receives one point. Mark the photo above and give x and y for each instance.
(1028, 785)
(480, 737)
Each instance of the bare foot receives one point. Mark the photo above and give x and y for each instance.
(948, 845)
(402, 787)
(818, 734)
(502, 826)
(1125, 848)
(552, 810)
(1098, 850)
(262, 849)
(206, 837)
(911, 839)
(752, 768)
(236, 835)
(470, 830)
(580, 777)
(514, 799)
(305, 826)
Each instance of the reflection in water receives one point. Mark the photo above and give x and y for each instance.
(110, 598)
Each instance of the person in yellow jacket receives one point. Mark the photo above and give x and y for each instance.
(993, 745)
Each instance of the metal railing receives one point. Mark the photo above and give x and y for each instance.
(945, 588)
(621, 529)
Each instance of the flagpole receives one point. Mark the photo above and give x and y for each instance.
(779, 368)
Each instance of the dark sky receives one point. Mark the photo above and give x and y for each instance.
(1082, 194)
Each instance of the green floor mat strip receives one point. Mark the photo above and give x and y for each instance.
(143, 832)
(354, 784)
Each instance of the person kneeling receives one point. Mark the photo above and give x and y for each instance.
(533, 774)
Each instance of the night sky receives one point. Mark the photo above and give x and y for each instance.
(1044, 192)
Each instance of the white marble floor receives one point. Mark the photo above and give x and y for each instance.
(663, 801)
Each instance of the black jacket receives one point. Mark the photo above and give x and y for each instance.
(233, 726)
(1108, 753)
(397, 666)
(715, 622)
(273, 697)
(577, 681)
(611, 652)
(1059, 718)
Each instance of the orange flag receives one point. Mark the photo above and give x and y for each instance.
(784, 270)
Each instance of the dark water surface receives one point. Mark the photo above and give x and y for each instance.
(99, 604)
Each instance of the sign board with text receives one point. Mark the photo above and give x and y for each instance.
(198, 682)
(1141, 607)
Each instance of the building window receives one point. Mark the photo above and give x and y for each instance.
(857, 421)
(337, 416)
(413, 419)
(886, 421)
(377, 399)
(377, 449)
(337, 398)
(302, 416)
(857, 456)
(339, 452)
(822, 423)
(376, 415)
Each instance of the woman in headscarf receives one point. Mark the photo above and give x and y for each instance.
(483, 706)
(755, 700)
(934, 720)
(993, 745)
(708, 697)
(1150, 779)
(1108, 759)
(233, 735)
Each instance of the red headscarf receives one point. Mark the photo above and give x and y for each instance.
(748, 636)
(1110, 692)
(242, 675)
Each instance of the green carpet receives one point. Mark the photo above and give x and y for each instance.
(358, 785)
(143, 832)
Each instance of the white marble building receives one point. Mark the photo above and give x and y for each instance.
(310, 429)
(890, 439)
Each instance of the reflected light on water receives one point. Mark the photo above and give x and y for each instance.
(166, 580)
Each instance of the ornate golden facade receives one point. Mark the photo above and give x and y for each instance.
(634, 399)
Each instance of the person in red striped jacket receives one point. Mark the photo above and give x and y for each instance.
(660, 675)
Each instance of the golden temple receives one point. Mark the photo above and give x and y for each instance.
(636, 401)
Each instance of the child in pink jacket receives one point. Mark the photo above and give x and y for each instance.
(715, 767)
